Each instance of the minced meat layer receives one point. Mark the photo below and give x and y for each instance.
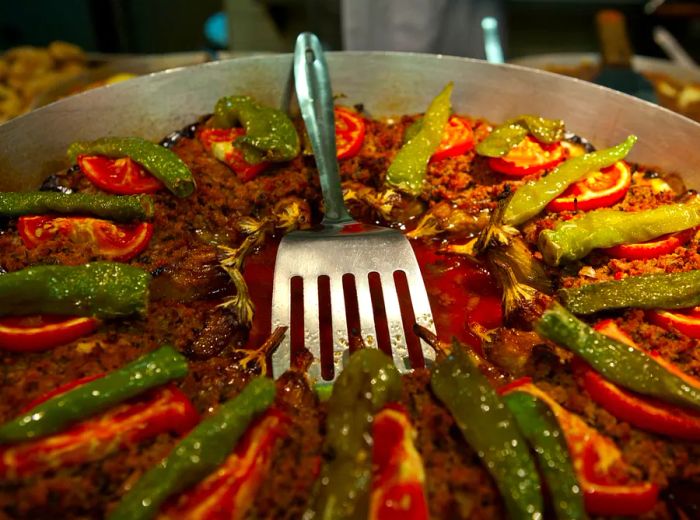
(188, 285)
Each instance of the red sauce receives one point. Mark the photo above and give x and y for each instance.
(460, 293)
(258, 272)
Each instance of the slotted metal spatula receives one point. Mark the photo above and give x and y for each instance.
(342, 249)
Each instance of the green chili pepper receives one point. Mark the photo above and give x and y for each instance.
(504, 137)
(648, 291)
(369, 381)
(102, 289)
(120, 208)
(574, 239)
(158, 160)
(412, 130)
(489, 428)
(622, 364)
(410, 165)
(323, 391)
(269, 133)
(541, 429)
(55, 414)
(533, 196)
(198, 454)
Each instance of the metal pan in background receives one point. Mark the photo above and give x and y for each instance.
(640, 64)
(676, 87)
(110, 65)
(34, 145)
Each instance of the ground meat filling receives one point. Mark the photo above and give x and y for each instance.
(189, 284)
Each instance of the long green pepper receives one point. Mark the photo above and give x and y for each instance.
(55, 414)
(541, 429)
(490, 429)
(198, 454)
(574, 239)
(532, 197)
(407, 170)
(162, 163)
(627, 366)
(120, 208)
(269, 133)
(366, 384)
(101, 289)
(648, 291)
(504, 137)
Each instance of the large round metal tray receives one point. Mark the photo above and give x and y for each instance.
(34, 145)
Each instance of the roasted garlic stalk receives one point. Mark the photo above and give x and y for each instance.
(381, 202)
(520, 275)
(444, 218)
(286, 218)
(255, 361)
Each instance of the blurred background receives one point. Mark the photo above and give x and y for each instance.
(158, 26)
(112, 40)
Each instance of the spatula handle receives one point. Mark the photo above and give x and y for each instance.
(614, 42)
(313, 87)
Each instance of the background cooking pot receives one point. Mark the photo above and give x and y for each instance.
(34, 145)
(639, 63)
(677, 87)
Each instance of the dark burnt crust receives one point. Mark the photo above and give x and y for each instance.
(185, 237)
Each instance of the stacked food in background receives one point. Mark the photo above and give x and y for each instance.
(26, 72)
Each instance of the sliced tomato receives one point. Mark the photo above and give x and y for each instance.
(652, 248)
(597, 190)
(349, 132)
(229, 491)
(685, 321)
(603, 496)
(120, 242)
(164, 409)
(219, 142)
(610, 329)
(528, 157)
(457, 139)
(643, 412)
(121, 176)
(37, 333)
(597, 461)
(398, 475)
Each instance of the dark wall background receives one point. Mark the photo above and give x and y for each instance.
(138, 26)
(541, 26)
(38, 22)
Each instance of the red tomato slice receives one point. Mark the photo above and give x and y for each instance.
(119, 242)
(594, 456)
(121, 176)
(603, 497)
(596, 190)
(37, 333)
(398, 476)
(219, 142)
(209, 136)
(349, 132)
(652, 248)
(528, 157)
(685, 321)
(643, 412)
(457, 139)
